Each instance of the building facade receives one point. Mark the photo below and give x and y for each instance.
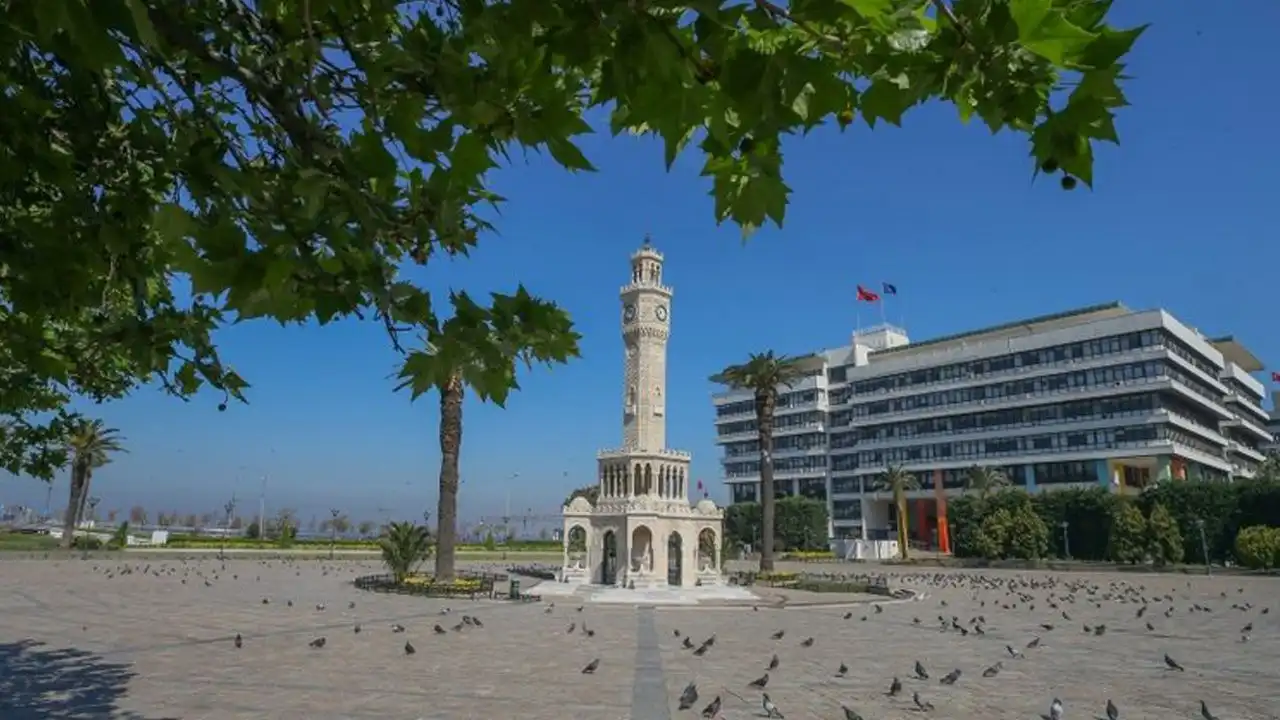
(1273, 424)
(1098, 396)
(642, 532)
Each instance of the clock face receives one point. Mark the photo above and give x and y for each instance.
(629, 313)
(660, 312)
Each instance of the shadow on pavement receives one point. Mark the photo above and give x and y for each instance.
(61, 684)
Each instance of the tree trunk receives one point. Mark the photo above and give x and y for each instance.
(84, 495)
(74, 502)
(900, 500)
(450, 448)
(765, 403)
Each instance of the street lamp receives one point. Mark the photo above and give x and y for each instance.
(333, 529)
(230, 507)
(1066, 539)
(1204, 547)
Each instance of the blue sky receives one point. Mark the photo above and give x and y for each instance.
(946, 212)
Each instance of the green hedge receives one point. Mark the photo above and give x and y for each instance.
(799, 523)
(1225, 508)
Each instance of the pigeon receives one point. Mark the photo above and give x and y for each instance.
(850, 714)
(1012, 653)
(759, 682)
(591, 667)
(879, 609)
(924, 705)
(778, 635)
(1204, 712)
(895, 687)
(992, 671)
(773, 662)
(239, 641)
(318, 642)
(1113, 712)
(1246, 629)
(687, 642)
(398, 628)
(1055, 709)
(1035, 642)
(848, 615)
(950, 678)
(808, 642)
(1173, 664)
(842, 671)
(356, 629)
(770, 709)
(572, 627)
(921, 673)
(408, 648)
(689, 696)
(712, 709)
(439, 630)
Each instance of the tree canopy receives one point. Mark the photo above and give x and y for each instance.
(168, 168)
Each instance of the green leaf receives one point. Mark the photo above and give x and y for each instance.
(1045, 30)
(875, 12)
(568, 155)
(142, 23)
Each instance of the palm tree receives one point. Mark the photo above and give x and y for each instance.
(762, 374)
(899, 482)
(404, 547)
(983, 480)
(479, 349)
(90, 446)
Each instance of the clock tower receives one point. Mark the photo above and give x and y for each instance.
(646, 324)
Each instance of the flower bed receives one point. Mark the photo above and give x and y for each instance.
(466, 584)
(766, 579)
(810, 556)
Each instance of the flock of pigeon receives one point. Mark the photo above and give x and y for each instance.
(1005, 620)
(997, 597)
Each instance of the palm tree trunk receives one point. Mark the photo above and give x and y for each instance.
(765, 403)
(450, 448)
(74, 503)
(84, 495)
(900, 499)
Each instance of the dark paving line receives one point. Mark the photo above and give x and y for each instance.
(649, 693)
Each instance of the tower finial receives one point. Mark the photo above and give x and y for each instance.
(648, 240)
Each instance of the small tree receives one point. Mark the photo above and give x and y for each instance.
(366, 528)
(1164, 540)
(1128, 542)
(490, 543)
(405, 546)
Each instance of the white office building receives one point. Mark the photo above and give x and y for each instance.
(1101, 395)
(1273, 424)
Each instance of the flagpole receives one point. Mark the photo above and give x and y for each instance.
(883, 321)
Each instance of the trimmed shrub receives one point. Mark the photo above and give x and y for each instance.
(1163, 537)
(1129, 536)
(1258, 547)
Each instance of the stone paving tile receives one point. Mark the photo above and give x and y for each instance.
(149, 647)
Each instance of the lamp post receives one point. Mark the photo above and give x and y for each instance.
(93, 507)
(333, 529)
(1204, 547)
(230, 507)
(1066, 539)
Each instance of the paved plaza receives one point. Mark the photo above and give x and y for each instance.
(145, 639)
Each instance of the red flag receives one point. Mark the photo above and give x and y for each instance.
(1275, 376)
(865, 295)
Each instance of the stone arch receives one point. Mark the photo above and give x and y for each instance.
(648, 479)
(576, 539)
(684, 491)
(642, 549)
(708, 548)
(675, 558)
(636, 479)
(609, 564)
